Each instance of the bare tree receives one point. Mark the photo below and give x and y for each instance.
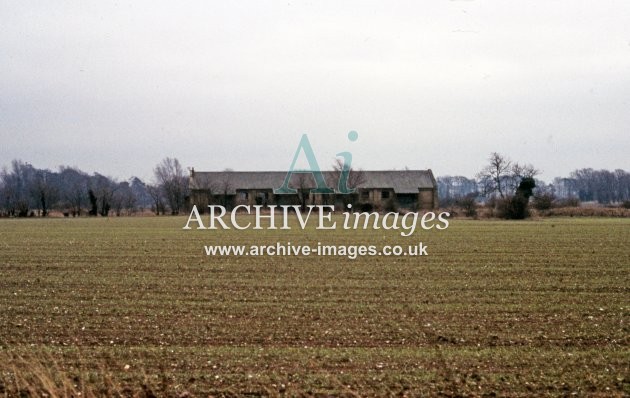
(453, 189)
(142, 198)
(225, 186)
(207, 188)
(123, 199)
(155, 192)
(494, 176)
(16, 184)
(519, 172)
(303, 190)
(74, 186)
(356, 177)
(503, 176)
(602, 186)
(70, 190)
(130, 202)
(101, 192)
(173, 181)
(44, 190)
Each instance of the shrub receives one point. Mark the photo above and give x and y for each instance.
(513, 207)
(491, 205)
(543, 201)
(526, 187)
(468, 204)
(589, 212)
(366, 207)
(391, 205)
(448, 202)
(567, 202)
(626, 204)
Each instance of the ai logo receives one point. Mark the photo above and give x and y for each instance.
(342, 184)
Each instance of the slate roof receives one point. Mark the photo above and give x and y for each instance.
(401, 181)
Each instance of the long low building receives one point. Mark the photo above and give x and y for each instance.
(411, 189)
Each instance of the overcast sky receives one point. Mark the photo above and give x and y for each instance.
(115, 87)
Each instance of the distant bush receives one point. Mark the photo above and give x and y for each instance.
(391, 205)
(526, 187)
(469, 205)
(592, 211)
(543, 201)
(626, 204)
(567, 202)
(513, 207)
(448, 202)
(366, 207)
(491, 205)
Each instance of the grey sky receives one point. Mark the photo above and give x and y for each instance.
(116, 86)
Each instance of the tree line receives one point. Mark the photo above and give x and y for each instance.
(501, 177)
(29, 191)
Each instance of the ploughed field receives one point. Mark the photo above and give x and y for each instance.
(133, 306)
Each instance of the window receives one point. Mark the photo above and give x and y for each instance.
(263, 195)
(365, 194)
(243, 195)
(384, 194)
(261, 198)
